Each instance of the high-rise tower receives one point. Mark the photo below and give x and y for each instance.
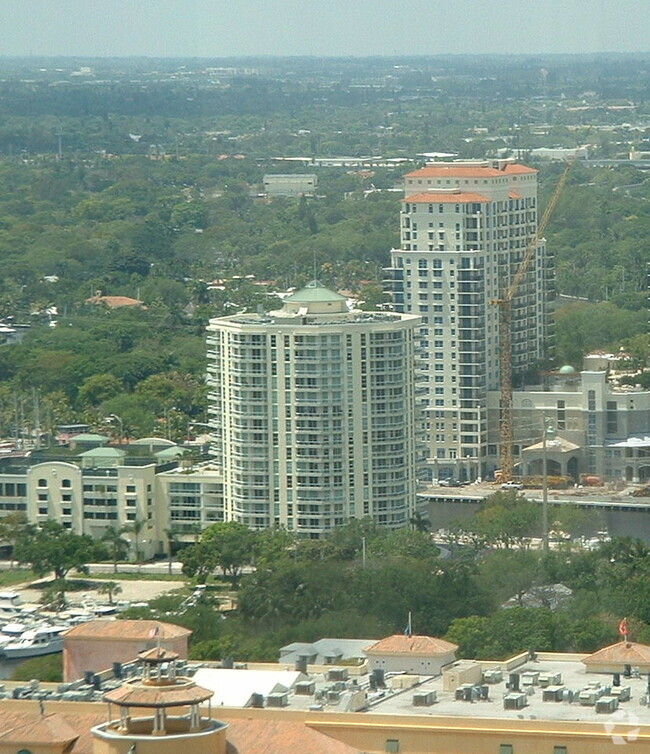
(314, 413)
(465, 227)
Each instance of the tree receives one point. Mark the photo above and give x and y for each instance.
(135, 527)
(55, 548)
(117, 546)
(12, 527)
(171, 535)
(506, 519)
(199, 560)
(110, 588)
(420, 522)
(406, 543)
(233, 543)
(99, 388)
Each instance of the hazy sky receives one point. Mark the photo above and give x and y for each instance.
(216, 28)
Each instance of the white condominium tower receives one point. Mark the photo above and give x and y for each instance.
(314, 413)
(465, 226)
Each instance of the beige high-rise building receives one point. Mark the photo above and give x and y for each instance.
(314, 413)
(465, 227)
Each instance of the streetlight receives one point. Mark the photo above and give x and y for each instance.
(167, 428)
(548, 434)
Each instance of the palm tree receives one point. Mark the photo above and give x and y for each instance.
(118, 547)
(135, 527)
(420, 522)
(172, 537)
(110, 588)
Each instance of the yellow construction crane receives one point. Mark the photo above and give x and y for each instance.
(505, 320)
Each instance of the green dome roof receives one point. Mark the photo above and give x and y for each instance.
(314, 292)
(567, 369)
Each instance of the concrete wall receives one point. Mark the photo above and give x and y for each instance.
(209, 741)
(403, 663)
(80, 654)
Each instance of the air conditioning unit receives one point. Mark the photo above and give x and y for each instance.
(277, 700)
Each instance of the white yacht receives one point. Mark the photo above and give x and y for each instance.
(43, 640)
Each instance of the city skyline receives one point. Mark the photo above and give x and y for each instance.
(200, 28)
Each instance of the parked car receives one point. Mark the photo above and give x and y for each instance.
(512, 486)
(450, 483)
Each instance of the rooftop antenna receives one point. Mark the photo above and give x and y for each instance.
(314, 256)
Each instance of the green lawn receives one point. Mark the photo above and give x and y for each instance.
(16, 576)
(133, 576)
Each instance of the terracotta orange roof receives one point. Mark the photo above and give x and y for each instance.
(429, 197)
(114, 302)
(514, 168)
(158, 654)
(126, 630)
(514, 195)
(246, 736)
(38, 731)
(258, 736)
(467, 171)
(624, 652)
(413, 645)
(139, 694)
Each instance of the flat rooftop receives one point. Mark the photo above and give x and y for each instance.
(573, 677)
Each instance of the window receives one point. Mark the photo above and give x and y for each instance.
(506, 749)
(559, 750)
(392, 745)
(42, 482)
(612, 419)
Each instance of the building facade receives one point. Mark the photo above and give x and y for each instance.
(314, 413)
(465, 227)
(595, 427)
(291, 184)
(115, 492)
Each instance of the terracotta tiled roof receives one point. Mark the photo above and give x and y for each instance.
(467, 171)
(37, 730)
(114, 302)
(414, 645)
(433, 197)
(624, 652)
(515, 168)
(126, 630)
(514, 195)
(279, 737)
(245, 736)
(158, 654)
(137, 694)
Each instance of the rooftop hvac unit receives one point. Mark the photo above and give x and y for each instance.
(305, 688)
(277, 700)
(333, 697)
(514, 701)
(424, 699)
(257, 700)
(378, 678)
(337, 674)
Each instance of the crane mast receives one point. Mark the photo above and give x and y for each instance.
(505, 324)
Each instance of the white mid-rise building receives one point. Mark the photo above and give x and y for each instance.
(465, 227)
(314, 413)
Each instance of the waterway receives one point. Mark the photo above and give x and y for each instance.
(632, 520)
